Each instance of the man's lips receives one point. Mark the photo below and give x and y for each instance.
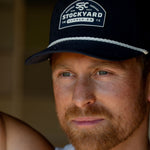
(86, 121)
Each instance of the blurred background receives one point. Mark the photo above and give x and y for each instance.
(25, 91)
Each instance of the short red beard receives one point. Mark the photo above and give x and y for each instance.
(80, 139)
(101, 137)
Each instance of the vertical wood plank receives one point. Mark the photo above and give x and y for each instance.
(18, 57)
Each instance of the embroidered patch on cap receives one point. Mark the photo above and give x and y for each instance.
(83, 13)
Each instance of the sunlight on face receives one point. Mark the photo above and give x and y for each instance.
(99, 103)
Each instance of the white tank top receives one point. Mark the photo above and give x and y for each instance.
(67, 147)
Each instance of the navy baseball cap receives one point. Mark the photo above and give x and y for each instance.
(106, 29)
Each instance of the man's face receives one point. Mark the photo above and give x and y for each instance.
(99, 103)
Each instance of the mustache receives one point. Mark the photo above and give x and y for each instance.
(94, 110)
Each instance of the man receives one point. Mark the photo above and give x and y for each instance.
(99, 53)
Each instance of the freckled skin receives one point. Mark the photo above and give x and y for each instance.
(85, 83)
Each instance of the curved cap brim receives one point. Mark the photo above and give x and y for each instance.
(104, 50)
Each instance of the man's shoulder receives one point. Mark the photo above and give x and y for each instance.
(17, 135)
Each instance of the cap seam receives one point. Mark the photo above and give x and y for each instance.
(99, 40)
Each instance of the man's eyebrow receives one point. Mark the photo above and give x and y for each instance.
(60, 66)
(95, 64)
(113, 64)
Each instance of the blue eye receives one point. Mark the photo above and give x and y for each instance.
(102, 73)
(66, 74)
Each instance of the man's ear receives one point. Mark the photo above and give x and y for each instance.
(148, 88)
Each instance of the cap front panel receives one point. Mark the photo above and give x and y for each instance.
(83, 13)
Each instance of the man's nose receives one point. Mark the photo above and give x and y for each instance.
(83, 93)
